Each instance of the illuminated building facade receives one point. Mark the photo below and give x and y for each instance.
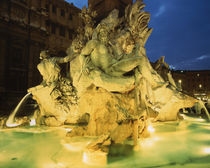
(26, 28)
(196, 83)
(62, 22)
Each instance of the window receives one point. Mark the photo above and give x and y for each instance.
(47, 23)
(71, 34)
(62, 13)
(47, 8)
(54, 10)
(70, 16)
(53, 28)
(22, 1)
(17, 74)
(62, 31)
(17, 80)
(18, 60)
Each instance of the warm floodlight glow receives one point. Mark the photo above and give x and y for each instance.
(199, 119)
(192, 119)
(61, 165)
(12, 125)
(32, 122)
(95, 158)
(85, 158)
(71, 147)
(68, 129)
(149, 142)
(206, 150)
(200, 86)
(184, 116)
(150, 129)
(180, 81)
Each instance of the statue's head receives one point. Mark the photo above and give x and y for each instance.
(126, 41)
(112, 20)
(128, 45)
(77, 45)
(44, 54)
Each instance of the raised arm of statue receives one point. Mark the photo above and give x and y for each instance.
(66, 59)
(117, 50)
(87, 50)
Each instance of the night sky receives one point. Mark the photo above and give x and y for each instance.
(181, 32)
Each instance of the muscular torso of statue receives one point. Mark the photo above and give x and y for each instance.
(49, 69)
(102, 58)
(99, 54)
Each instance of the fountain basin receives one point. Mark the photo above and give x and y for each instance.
(172, 144)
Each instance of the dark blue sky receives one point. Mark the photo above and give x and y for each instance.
(181, 32)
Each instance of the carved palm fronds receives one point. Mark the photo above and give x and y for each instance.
(88, 18)
(137, 22)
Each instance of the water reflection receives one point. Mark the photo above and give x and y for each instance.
(173, 144)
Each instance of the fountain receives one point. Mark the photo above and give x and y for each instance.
(11, 120)
(113, 91)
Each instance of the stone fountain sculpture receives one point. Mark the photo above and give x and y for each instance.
(112, 88)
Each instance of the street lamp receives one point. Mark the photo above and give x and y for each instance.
(180, 84)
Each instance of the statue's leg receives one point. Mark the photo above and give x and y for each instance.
(137, 90)
(126, 65)
(141, 92)
(143, 88)
(135, 132)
